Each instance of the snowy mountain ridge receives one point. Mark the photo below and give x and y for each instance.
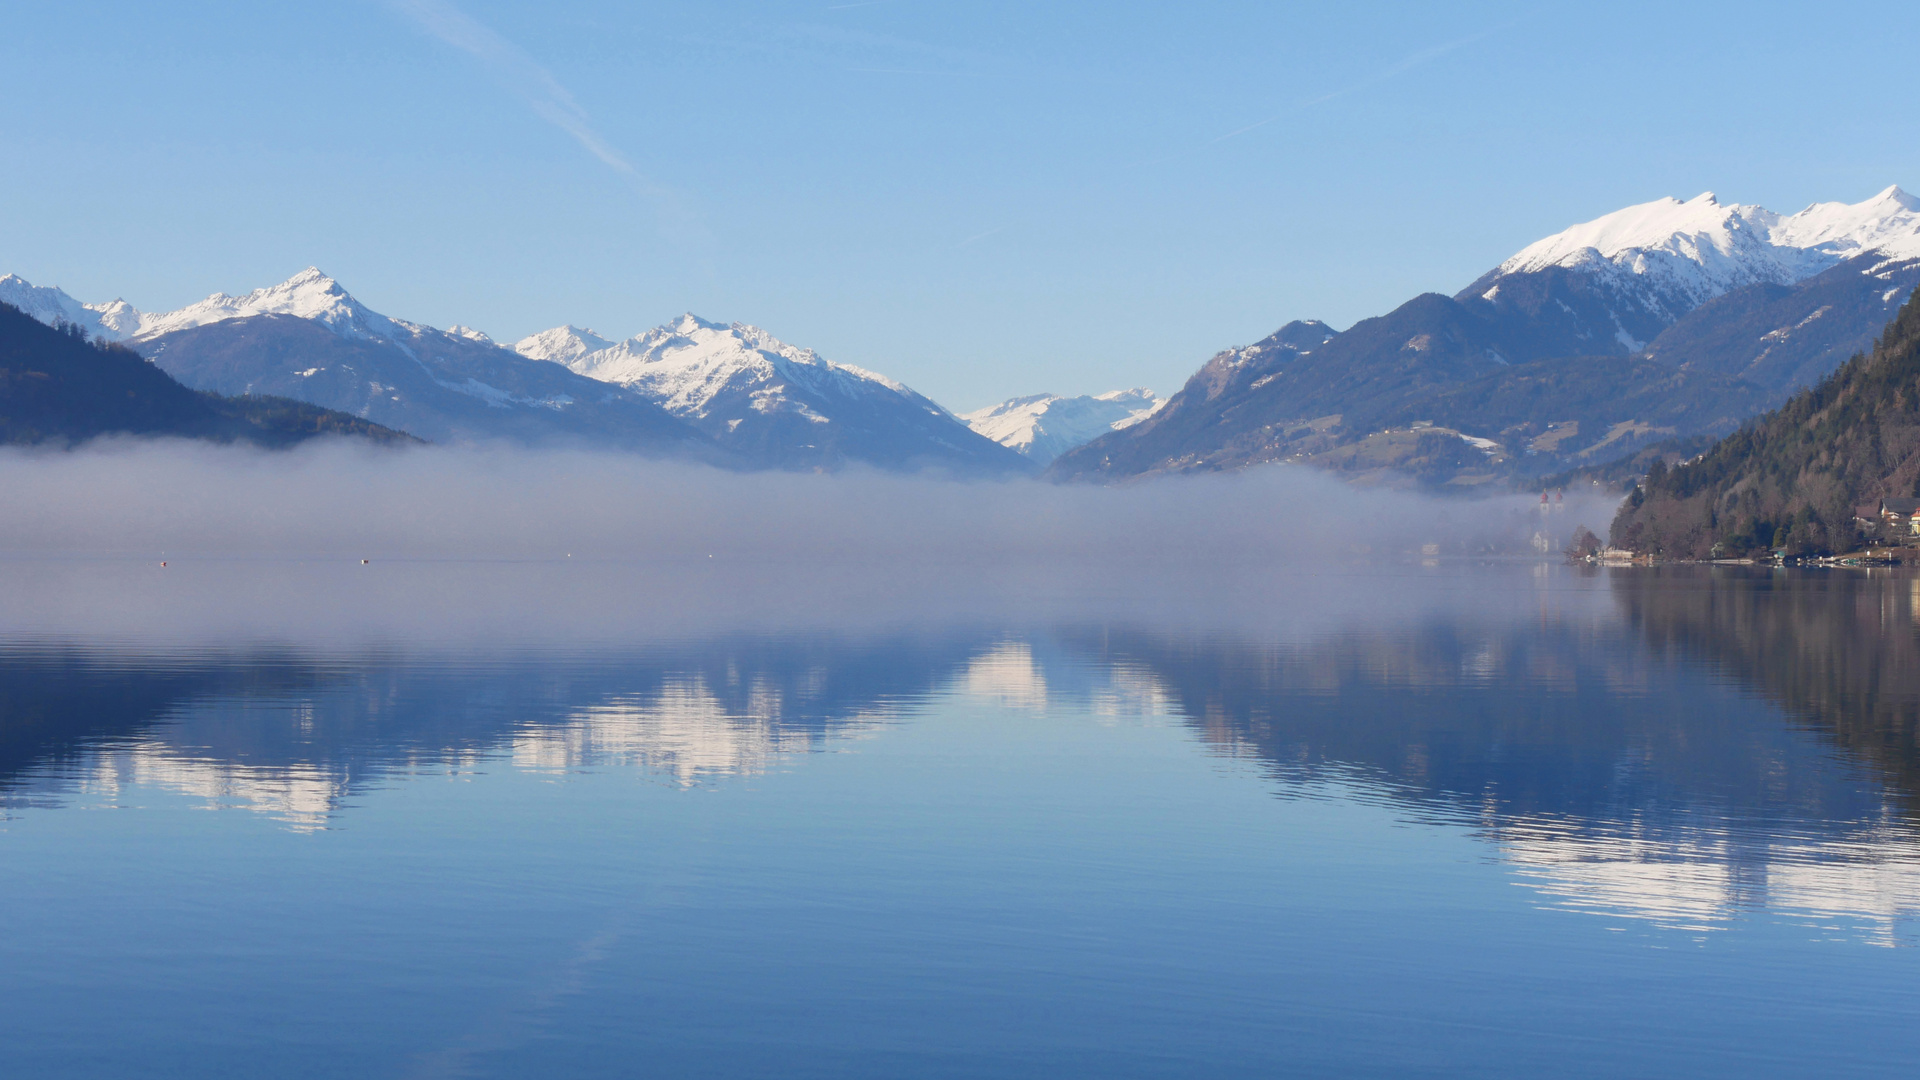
(115, 320)
(309, 294)
(562, 344)
(1693, 251)
(734, 388)
(773, 402)
(687, 364)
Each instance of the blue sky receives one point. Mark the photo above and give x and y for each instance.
(982, 199)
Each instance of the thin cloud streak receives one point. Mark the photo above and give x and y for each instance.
(1404, 66)
(921, 71)
(971, 240)
(518, 71)
(1383, 75)
(1249, 127)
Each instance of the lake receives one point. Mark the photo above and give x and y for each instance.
(507, 819)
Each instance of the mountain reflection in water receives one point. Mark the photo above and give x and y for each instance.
(1689, 747)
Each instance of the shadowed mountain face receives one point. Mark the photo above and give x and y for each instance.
(1362, 401)
(56, 386)
(1786, 337)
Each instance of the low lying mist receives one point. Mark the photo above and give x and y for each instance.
(501, 542)
(337, 500)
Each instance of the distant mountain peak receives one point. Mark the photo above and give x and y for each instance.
(1894, 194)
(740, 387)
(686, 363)
(1303, 335)
(775, 402)
(310, 294)
(562, 344)
(1044, 426)
(114, 320)
(1681, 254)
(689, 323)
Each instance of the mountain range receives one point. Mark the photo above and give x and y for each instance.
(1665, 319)
(730, 395)
(773, 404)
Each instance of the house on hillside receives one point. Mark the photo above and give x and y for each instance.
(1900, 513)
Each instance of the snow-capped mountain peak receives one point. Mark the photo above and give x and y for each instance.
(1889, 222)
(1666, 224)
(1700, 248)
(113, 320)
(687, 363)
(774, 402)
(309, 294)
(748, 396)
(1044, 426)
(562, 344)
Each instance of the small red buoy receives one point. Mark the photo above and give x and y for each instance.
(363, 562)
(163, 563)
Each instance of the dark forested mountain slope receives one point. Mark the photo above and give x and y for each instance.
(56, 386)
(1793, 478)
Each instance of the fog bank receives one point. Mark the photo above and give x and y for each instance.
(334, 501)
(575, 548)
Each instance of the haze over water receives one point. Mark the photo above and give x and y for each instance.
(298, 817)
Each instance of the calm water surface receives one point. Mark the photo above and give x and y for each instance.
(1423, 821)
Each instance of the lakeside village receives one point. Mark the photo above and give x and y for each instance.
(1891, 528)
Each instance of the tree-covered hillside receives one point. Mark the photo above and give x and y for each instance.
(56, 386)
(1793, 478)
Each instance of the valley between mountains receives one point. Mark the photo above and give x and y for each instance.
(1655, 324)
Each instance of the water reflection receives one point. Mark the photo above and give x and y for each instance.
(1712, 747)
(291, 734)
(1732, 743)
